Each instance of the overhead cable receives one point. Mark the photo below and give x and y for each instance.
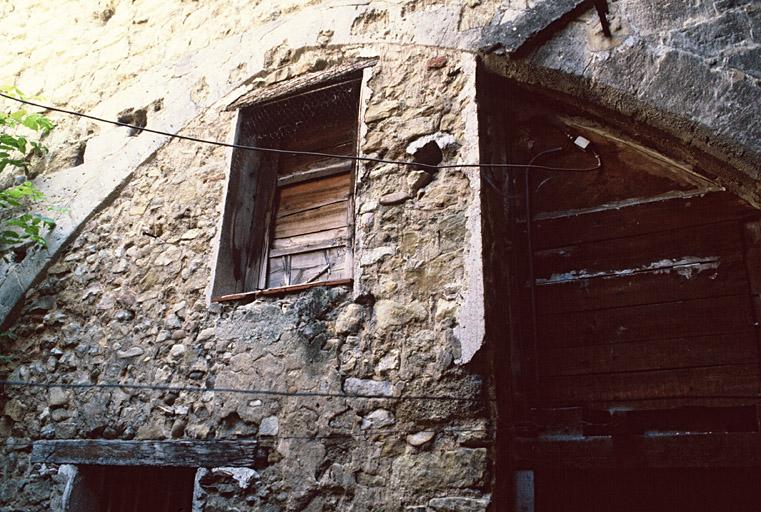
(415, 165)
(246, 391)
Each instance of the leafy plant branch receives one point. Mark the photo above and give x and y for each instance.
(21, 133)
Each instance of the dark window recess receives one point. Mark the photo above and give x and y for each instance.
(133, 489)
(289, 218)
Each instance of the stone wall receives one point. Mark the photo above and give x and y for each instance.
(126, 302)
(121, 297)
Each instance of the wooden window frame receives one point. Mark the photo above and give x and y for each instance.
(265, 184)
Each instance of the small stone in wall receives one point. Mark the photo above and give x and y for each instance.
(270, 426)
(124, 315)
(244, 476)
(130, 352)
(350, 319)
(417, 180)
(437, 62)
(378, 418)
(420, 438)
(206, 334)
(388, 362)
(177, 351)
(394, 198)
(57, 397)
(356, 386)
(190, 234)
(459, 504)
(417, 127)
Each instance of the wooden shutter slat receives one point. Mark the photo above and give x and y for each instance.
(327, 237)
(302, 268)
(325, 217)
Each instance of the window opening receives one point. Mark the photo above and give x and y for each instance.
(289, 219)
(132, 489)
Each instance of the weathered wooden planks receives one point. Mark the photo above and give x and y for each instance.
(299, 163)
(665, 282)
(307, 267)
(299, 243)
(150, 453)
(637, 220)
(663, 451)
(713, 381)
(694, 242)
(313, 194)
(329, 216)
(713, 315)
(734, 348)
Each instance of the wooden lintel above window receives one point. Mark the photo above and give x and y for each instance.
(150, 453)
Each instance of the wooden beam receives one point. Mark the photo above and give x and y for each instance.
(323, 170)
(150, 453)
(736, 449)
(281, 290)
(523, 482)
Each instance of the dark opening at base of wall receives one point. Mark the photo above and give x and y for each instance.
(132, 488)
(651, 490)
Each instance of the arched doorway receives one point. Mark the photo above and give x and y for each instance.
(624, 316)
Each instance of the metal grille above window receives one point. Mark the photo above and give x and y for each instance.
(288, 218)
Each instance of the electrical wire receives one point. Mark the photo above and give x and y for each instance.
(362, 434)
(415, 165)
(252, 391)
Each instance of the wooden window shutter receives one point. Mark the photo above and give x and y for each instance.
(289, 217)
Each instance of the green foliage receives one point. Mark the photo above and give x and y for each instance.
(20, 135)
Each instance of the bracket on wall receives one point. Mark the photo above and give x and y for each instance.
(602, 12)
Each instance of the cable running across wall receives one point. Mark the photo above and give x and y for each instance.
(252, 391)
(416, 165)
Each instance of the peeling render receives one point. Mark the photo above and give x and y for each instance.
(471, 327)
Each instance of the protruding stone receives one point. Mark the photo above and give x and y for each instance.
(206, 334)
(417, 180)
(177, 351)
(356, 386)
(459, 504)
(190, 234)
(394, 198)
(372, 256)
(244, 476)
(350, 319)
(15, 410)
(270, 426)
(378, 111)
(124, 315)
(420, 438)
(57, 397)
(130, 352)
(378, 418)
